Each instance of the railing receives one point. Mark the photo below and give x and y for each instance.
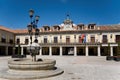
(26, 42)
(104, 41)
(69, 43)
(117, 41)
(6, 42)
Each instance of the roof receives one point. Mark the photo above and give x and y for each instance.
(110, 27)
(6, 29)
(20, 31)
(101, 28)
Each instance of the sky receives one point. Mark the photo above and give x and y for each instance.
(14, 14)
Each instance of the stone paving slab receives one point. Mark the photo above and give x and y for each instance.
(80, 68)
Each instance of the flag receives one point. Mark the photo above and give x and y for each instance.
(84, 39)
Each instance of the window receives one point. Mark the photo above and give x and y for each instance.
(80, 26)
(18, 41)
(92, 39)
(111, 36)
(45, 40)
(117, 38)
(45, 29)
(89, 27)
(67, 39)
(3, 39)
(74, 36)
(36, 41)
(80, 39)
(92, 26)
(11, 41)
(26, 41)
(55, 40)
(104, 38)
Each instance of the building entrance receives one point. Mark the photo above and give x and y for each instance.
(115, 51)
(92, 51)
(2, 50)
(55, 51)
(81, 51)
(105, 51)
(45, 50)
(25, 51)
(10, 50)
(68, 51)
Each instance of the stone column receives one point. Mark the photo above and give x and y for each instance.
(6, 49)
(50, 51)
(111, 51)
(13, 50)
(86, 50)
(60, 50)
(21, 50)
(98, 49)
(75, 51)
(40, 51)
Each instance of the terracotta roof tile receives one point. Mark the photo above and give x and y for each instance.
(6, 29)
(112, 27)
(20, 31)
(108, 27)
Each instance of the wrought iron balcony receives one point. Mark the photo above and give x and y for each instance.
(117, 41)
(104, 41)
(74, 43)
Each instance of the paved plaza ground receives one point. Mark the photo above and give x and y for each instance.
(79, 68)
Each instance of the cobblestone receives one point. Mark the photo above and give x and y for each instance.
(80, 68)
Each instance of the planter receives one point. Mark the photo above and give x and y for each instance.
(109, 58)
(117, 58)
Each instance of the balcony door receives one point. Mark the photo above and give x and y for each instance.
(92, 39)
(80, 40)
(104, 38)
(117, 38)
(55, 40)
(67, 39)
(45, 40)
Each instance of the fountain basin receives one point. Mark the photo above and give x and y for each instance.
(27, 69)
(27, 64)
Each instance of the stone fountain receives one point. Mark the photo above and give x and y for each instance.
(24, 68)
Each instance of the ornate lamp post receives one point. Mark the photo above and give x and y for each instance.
(33, 48)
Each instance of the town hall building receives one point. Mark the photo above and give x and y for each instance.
(65, 39)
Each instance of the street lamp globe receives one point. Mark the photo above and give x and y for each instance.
(37, 18)
(31, 12)
(29, 28)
